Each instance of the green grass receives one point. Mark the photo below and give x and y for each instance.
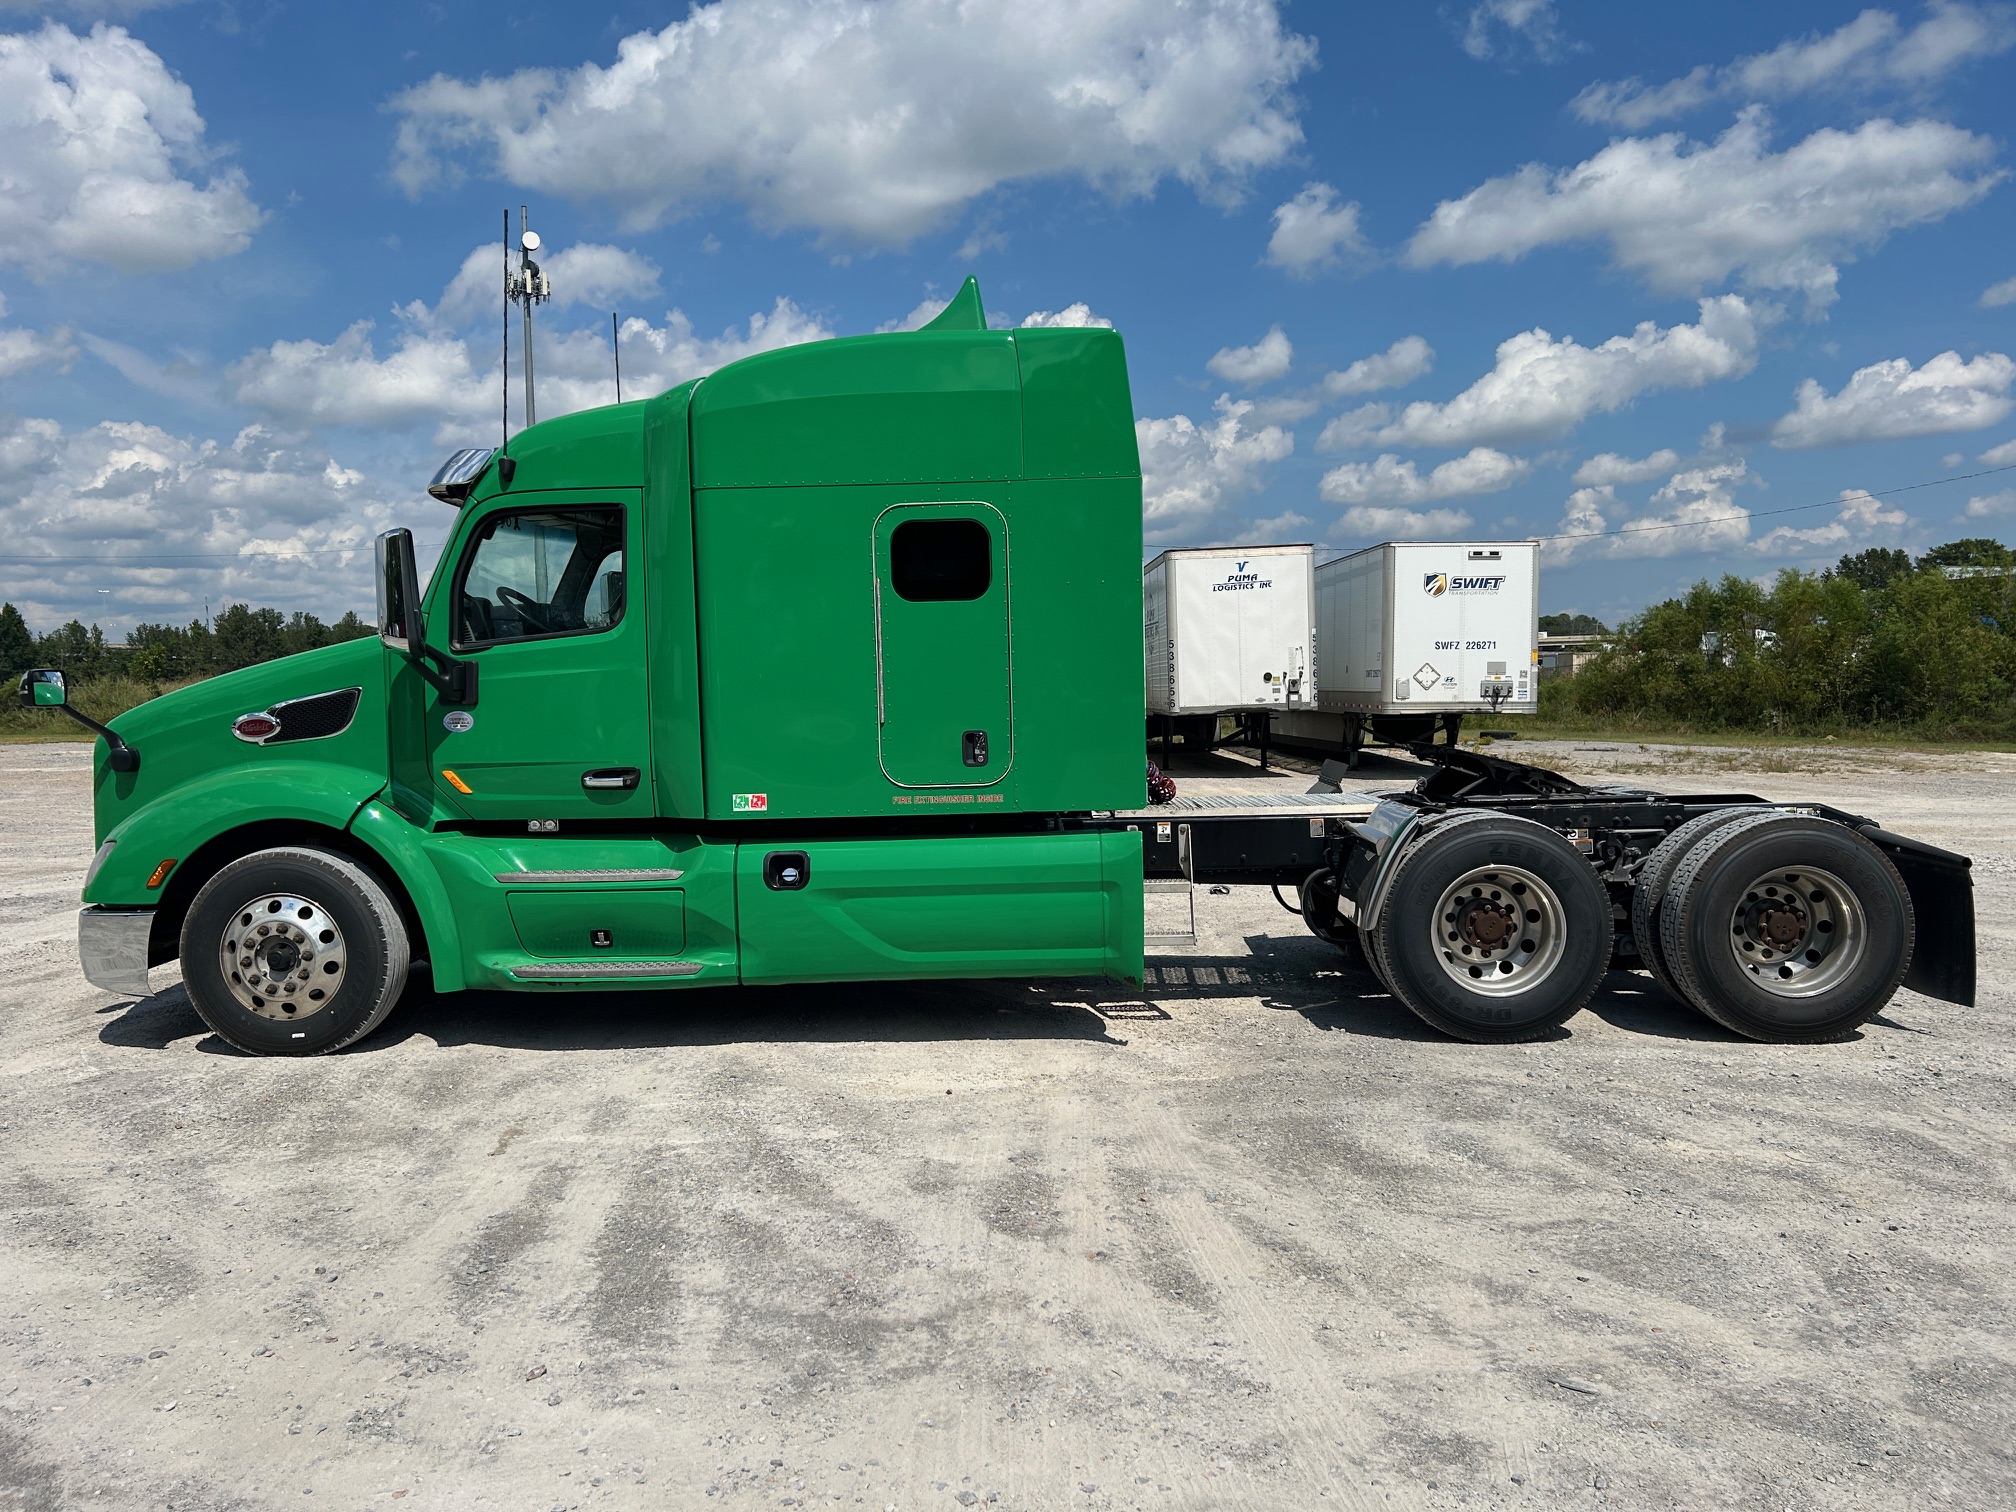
(102, 698)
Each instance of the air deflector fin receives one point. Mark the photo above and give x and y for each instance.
(965, 313)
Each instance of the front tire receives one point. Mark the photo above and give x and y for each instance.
(1787, 928)
(293, 951)
(1493, 930)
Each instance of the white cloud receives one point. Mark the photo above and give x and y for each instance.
(1400, 364)
(1542, 387)
(22, 349)
(1190, 471)
(98, 135)
(1889, 401)
(431, 376)
(2000, 456)
(1313, 231)
(872, 124)
(1870, 52)
(1997, 295)
(1282, 527)
(1685, 215)
(1695, 511)
(1077, 315)
(427, 377)
(1392, 524)
(181, 379)
(1609, 467)
(137, 503)
(1982, 506)
(921, 314)
(1388, 480)
(1860, 516)
(1532, 22)
(1263, 362)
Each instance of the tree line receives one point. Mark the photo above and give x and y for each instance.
(1925, 648)
(241, 636)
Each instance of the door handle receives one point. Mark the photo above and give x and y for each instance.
(601, 778)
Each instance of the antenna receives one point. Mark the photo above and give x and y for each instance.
(526, 287)
(616, 346)
(505, 366)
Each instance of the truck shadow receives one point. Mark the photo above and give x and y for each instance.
(1327, 988)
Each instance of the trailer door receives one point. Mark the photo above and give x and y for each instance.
(943, 693)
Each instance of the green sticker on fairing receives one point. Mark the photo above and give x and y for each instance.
(751, 803)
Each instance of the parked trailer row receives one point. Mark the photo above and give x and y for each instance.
(1389, 645)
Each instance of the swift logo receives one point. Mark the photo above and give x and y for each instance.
(1435, 584)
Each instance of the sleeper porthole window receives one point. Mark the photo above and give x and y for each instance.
(941, 561)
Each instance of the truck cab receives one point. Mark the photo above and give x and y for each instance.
(797, 672)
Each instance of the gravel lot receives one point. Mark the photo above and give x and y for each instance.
(1260, 1240)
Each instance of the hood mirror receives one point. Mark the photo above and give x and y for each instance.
(460, 473)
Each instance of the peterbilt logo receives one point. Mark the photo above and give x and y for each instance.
(1435, 584)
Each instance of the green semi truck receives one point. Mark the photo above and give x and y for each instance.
(827, 667)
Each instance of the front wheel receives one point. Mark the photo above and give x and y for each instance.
(1493, 929)
(293, 951)
(1787, 928)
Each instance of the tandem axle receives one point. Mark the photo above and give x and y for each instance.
(1493, 896)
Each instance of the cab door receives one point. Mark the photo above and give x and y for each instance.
(542, 596)
(944, 690)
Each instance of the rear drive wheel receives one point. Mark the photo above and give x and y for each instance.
(293, 952)
(1787, 928)
(1493, 930)
(1648, 896)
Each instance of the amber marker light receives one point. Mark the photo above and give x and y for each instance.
(161, 873)
(456, 782)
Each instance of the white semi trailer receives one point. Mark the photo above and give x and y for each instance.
(1228, 630)
(1413, 635)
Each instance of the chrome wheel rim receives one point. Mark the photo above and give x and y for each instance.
(1797, 931)
(283, 957)
(1499, 931)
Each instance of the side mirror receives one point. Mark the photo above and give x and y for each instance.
(44, 688)
(401, 627)
(399, 593)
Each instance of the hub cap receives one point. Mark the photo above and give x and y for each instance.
(283, 957)
(1797, 932)
(1499, 931)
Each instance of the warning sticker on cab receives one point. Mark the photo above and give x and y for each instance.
(751, 803)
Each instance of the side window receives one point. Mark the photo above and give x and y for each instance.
(941, 561)
(533, 573)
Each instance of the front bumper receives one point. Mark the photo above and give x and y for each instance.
(112, 944)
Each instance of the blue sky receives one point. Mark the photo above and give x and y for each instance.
(1627, 278)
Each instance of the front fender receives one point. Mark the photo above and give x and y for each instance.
(191, 815)
(401, 844)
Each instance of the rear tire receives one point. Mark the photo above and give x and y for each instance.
(1649, 894)
(1493, 929)
(1786, 928)
(293, 951)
